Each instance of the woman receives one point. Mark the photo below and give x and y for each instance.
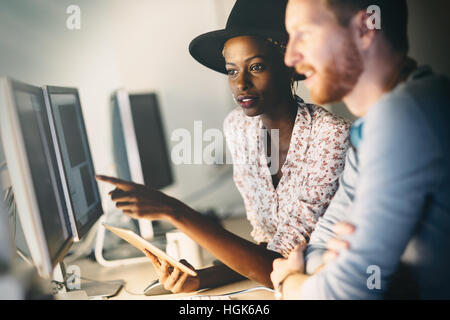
(283, 198)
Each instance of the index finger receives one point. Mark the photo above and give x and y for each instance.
(122, 184)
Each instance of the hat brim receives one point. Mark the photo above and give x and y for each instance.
(207, 48)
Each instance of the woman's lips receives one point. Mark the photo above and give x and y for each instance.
(246, 101)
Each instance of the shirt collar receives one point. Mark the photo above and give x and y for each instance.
(356, 132)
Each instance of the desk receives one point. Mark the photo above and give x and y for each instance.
(139, 276)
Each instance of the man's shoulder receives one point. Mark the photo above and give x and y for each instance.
(424, 87)
(412, 118)
(425, 95)
(425, 81)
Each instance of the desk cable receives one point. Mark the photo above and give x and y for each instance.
(237, 292)
(214, 295)
(59, 284)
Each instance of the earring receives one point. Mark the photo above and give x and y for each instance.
(234, 99)
(293, 86)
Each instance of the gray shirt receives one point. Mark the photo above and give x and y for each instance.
(395, 189)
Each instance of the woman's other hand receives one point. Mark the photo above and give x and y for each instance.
(172, 278)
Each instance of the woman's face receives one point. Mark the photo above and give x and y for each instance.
(258, 79)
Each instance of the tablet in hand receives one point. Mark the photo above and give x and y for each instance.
(142, 244)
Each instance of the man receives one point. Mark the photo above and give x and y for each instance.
(394, 196)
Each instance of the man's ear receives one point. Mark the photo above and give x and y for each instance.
(365, 27)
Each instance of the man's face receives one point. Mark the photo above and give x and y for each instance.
(321, 49)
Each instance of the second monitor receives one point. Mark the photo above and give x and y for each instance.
(74, 158)
(140, 148)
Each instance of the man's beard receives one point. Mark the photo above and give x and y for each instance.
(339, 76)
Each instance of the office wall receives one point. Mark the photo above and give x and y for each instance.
(142, 45)
(428, 33)
(37, 48)
(151, 41)
(134, 44)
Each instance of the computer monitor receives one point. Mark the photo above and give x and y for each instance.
(6, 253)
(74, 158)
(140, 147)
(32, 167)
(10, 209)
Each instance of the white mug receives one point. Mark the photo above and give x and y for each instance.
(180, 246)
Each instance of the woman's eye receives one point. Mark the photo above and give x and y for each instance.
(257, 67)
(231, 72)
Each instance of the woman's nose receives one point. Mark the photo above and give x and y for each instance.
(243, 82)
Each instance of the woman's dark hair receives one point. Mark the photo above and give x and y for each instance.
(394, 18)
(279, 49)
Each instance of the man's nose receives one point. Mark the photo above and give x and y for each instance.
(293, 55)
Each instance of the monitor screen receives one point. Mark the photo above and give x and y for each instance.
(77, 166)
(140, 148)
(151, 140)
(31, 162)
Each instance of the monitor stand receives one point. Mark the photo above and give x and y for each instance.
(68, 286)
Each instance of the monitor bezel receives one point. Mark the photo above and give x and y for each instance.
(78, 233)
(23, 186)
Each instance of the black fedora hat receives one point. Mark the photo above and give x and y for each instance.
(263, 18)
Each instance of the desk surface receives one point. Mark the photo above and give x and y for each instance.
(139, 276)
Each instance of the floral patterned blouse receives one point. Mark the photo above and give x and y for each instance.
(286, 215)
